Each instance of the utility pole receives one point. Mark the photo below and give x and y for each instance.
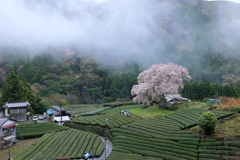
(92, 152)
(35, 131)
(61, 111)
(226, 143)
(85, 113)
(9, 149)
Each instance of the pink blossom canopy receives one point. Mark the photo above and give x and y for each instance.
(158, 80)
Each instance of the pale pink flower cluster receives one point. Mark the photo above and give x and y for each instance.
(69, 53)
(158, 80)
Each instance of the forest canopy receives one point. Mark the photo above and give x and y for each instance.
(103, 65)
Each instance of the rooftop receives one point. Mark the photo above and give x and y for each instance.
(16, 104)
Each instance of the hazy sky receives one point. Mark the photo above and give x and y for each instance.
(113, 27)
(117, 28)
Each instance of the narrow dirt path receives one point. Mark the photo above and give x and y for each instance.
(106, 151)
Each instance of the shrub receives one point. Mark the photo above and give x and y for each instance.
(207, 121)
(43, 105)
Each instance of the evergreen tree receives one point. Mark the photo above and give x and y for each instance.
(31, 97)
(13, 89)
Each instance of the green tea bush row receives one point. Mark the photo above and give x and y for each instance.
(99, 149)
(166, 139)
(120, 108)
(194, 143)
(166, 143)
(67, 146)
(70, 142)
(27, 130)
(217, 143)
(79, 145)
(149, 127)
(113, 120)
(33, 148)
(44, 138)
(156, 153)
(216, 152)
(121, 150)
(102, 109)
(166, 126)
(208, 156)
(182, 120)
(221, 115)
(119, 130)
(47, 145)
(208, 140)
(52, 153)
(77, 121)
(115, 155)
(118, 155)
(234, 143)
(163, 147)
(219, 148)
(163, 122)
(155, 134)
(189, 117)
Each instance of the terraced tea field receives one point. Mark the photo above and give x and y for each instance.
(68, 143)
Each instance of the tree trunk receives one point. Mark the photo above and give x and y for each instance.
(162, 103)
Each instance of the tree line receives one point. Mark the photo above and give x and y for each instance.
(200, 90)
(73, 80)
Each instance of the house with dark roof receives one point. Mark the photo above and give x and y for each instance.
(7, 132)
(56, 111)
(17, 111)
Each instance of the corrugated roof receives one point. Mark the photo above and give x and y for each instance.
(17, 104)
(57, 108)
(49, 112)
(174, 98)
(54, 111)
(64, 118)
(2, 121)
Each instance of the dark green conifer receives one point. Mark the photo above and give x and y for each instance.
(13, 89)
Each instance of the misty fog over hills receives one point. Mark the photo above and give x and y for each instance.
(203, 37)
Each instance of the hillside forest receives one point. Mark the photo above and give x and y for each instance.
(207, 45)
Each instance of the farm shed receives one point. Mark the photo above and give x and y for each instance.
(214, 101)
(175, 98)
(61, 119)
(58, 111)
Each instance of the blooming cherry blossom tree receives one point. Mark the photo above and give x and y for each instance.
(158, 80)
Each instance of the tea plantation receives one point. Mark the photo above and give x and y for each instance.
(163, 137)
(112, 120)
(27, 130)
(67, 143)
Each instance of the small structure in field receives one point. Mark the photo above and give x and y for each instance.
(175, 98)
(126, 113)
(60, 120)
(56, 111)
